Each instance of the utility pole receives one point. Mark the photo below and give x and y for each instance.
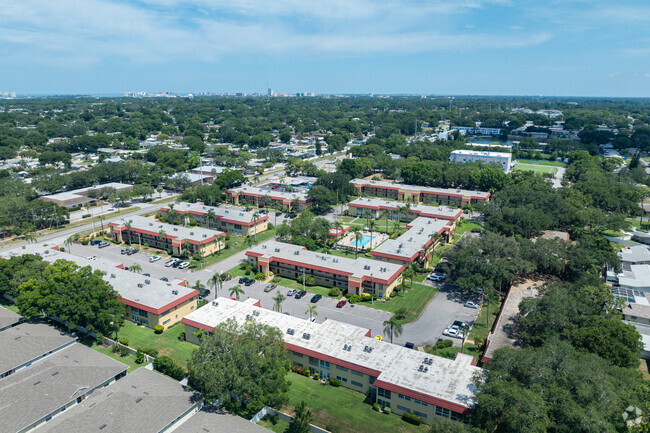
(303, 278)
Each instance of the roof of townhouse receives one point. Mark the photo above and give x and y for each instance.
(214, 420)
(236, 215)
(143, 401)
(482, 153)
(360, 268)
(8, 317)
(635, 254)
(195, 235)
(423, 210)
(436, 380)
(273, 194)
(27, 342)
(637, 310)
(140, 291)
(414, 240)
(423, 189)
(42, 388)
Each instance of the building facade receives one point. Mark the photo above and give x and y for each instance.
(289, 201)
(502, 159)
(419, 194)
(232, 220)
(376, 208)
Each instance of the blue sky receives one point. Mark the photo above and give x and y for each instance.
(489, 47)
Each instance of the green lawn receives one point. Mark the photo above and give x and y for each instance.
(241, 245)
(480, 328)
(347, 410)
(539, 169)
(450, 352)
(128, 360)
(414, 301)
(466, 226)
(8, 305)
(536, 162)
(166, 343)
(274, 424)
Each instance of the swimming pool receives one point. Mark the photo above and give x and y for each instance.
(365, 240)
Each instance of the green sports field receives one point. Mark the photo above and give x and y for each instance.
(541, 169)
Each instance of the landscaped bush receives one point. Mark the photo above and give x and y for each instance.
(393, 294)
(353, 299)
(168, 366)
(124, 351)
(85, 216)
(297, 369)
(443, 344)
(412, 419)
(248, 272)
(115, 348)
(376, 407)
(365, 297)
(139, 357)
(158, 329)
(316, 376)
(335, 382)
(332, 428)
(181, 336)
(124, 341)
(270, 226)
(277, 279)
(307, 373)
(387, 410)
(309, 280)
(85, 241)
(260, 276)
(335, 292)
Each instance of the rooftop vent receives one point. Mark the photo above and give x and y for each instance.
(263, 247)
(249, 317)
(140, 285)
(102, 426)
(347, 347)
(368, 349)
(191, 233)
(366, 266)
(175, 229)
(335, 260)
(277, 250)
(297, 252)
(151, 224)
(205, 236)
(215, 304)
(290, 331)
(147, 281)
(138, 400)
(382, 269)
(227, 212)
(306, 336)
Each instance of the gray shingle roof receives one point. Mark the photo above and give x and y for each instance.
(213, 420)
(8, 317)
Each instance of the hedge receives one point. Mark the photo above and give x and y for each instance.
(412, 419)
(158, 329)
(169, 367)
(335, 382)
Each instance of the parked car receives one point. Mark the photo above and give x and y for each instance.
(147, 274)
(242, 280)
(276, 186)
(176, 264)
(300, 294)
(460, 324)
(452, 332)
(341, 303)
(103, 244)
(292, 292)
(164, 279)
(204, 293)
(263, 211)
(249, 282)
(436, 277)
(479, 291)
(315, 298)
(95, 242)
(472, 304)
(409, 345)
(154, 259)
(170, 262)
(91, 257)
(270, 287)
(123, 251)
(184, 265)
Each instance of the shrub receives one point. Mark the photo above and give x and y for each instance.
(335, 382)
(387, 410)
(115, 348)
(181, 336)
(401, 313)
(297, 369)
(412, 419)
(85, 216)
(332, 428)
(335, 292)
(353, 299)
(270, 226)
(443, 344)
(248, 272)
(307, 373)
(309, 280)
(365, 297)
(124, 351)
(62, 249)
(169, 367)
(277, 279)
(158, 329)
(139, 356)
(315, 376)
(376, 407)
(260, 276)
(393, 294)
(124, 341)
(84, 241)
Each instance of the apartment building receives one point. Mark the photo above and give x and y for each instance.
(378, 208)
(419, 194)
(417, 244)
(261, 197)
(357, 276)
(147, 301)
(141, 230)
(403, 379)
(233, 220)
(503, 159)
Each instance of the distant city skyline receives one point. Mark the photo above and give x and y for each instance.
(466, 47)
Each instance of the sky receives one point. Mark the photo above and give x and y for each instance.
(459, 47)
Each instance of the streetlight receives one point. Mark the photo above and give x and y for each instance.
(372, 290)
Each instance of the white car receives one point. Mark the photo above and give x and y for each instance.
(472, 304)
(436, 277)
(170, 262)
(453, 331)
(92, 258)
(183, 265)
(154, 259)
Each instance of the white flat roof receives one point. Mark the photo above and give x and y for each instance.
(81, 192)
(196, 234)
(415, 239)
(393, 365)
(359, 268)
(235, 214)
(470, 152)
(419, 209)
(274, 194)
(153, 295)
(424, 189)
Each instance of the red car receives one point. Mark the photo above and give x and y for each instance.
(341, 304)
(275, 186)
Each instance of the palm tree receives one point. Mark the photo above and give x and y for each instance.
(162, 234)
(393, 327)
(127, 224)
(398, 214)
(235, 291)
(210, 217)
(216, 283)
(357, 236)
(160, 189)
(198, 286)
(367, 215)
(256, 215)
(89, 208)
(410, 272)
(187, 245)
(312, 312)
(279, 299)
(371, 227)
(101, 220)
(136, 268)
(464, 329)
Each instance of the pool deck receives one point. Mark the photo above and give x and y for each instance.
(348, 241)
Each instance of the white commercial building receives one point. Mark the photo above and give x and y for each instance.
(504, 159)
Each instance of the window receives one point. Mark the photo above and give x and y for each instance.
(297, 355)
(404, 397)
(338, 367)
(383, 403)
(405, 409)
(357, 373)
(441, 411)
(423, 403)
(342, 379)
(383, 392)
(325, 365)
(356, 383)
(166, 312)
(420, 414)
(372, 380)
(167, 321)
(313, 361)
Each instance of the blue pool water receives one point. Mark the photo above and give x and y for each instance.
(365, 240)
